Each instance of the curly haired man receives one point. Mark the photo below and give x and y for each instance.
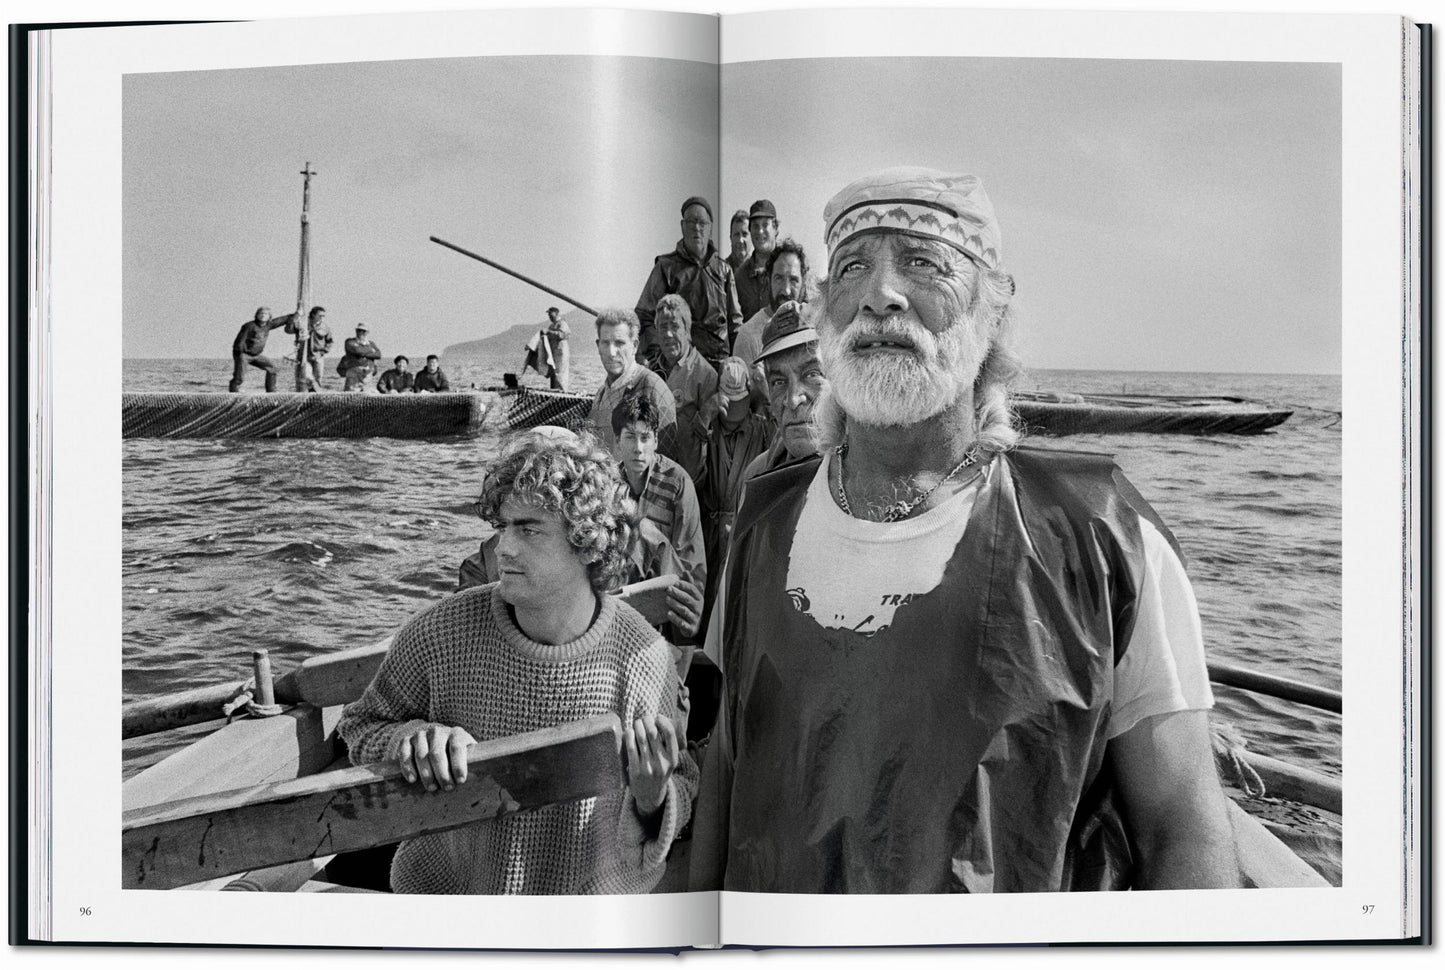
(541, 647)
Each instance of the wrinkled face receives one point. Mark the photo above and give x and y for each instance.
(616, 346)
(764, 232)
(672, 335)
(637, 448)
(897, 336)
(787, 279)
(742, 242)
(795, 383)
(696, 228)
(535, 562)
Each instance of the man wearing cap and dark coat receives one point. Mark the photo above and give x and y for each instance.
(951, 664)
(754, 291)
(795, 382)
(359, 361)
(696, 272)
(249, 348)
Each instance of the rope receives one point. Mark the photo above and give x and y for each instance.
(1229, 747)
(245, 703)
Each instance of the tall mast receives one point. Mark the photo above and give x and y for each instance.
(304, 379)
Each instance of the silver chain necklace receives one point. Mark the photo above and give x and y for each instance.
(899, 510)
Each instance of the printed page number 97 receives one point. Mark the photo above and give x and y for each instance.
(1366, 909)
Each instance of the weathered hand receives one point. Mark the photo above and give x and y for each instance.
(785, 313)
(652, 755)
(684, 607)
(437, 756)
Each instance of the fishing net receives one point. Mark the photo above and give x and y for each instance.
(529, 408)
(1063, 418)
(321, 415)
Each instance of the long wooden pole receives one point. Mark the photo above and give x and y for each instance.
(304, 378)
(1282, 687)
(511, 272)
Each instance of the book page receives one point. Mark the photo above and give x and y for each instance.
(559, 144)
(1177, 195)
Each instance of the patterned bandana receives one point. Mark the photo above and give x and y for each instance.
(953, 209)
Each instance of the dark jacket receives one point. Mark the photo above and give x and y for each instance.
(360, 352)
(710, 291)
(422, 381)
(320, 334)
(251, 340)
(394, 380)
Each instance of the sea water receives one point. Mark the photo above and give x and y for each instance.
(310, 546)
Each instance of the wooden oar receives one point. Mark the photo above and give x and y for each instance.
(195, 839)
(1281, 687)
(332, 678)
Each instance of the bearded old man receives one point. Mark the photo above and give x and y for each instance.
(952, 664)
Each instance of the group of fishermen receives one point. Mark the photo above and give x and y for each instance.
(947, 662)
(358, 362)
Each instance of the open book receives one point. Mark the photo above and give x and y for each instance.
(1192, 206)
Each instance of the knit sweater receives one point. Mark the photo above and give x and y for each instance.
(465, 663)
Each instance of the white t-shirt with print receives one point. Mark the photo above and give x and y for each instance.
(852, 574)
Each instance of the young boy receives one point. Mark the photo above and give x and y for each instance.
(541, 647)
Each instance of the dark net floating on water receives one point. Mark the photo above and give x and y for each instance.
(226, 542)
(201, 415)
(291, 415)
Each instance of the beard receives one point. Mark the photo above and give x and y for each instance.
(898, 390)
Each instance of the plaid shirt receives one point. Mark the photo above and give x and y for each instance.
(669, 501)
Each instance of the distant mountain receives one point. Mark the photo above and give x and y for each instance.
(514, 341)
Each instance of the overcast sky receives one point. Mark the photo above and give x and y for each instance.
(1157, 215)
(568, 169)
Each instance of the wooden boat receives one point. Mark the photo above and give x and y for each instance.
(263, 804)
(1063, 414)
(292, 415)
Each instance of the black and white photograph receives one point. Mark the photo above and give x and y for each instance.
(821, 480)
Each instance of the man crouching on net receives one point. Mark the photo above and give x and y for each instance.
(543, 646)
